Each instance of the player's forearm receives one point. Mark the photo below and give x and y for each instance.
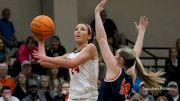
(61, 62)
(41, 47)
(139, 44)
(100, 32)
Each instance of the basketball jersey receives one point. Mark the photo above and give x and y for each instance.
(117, 89)
(83, 83)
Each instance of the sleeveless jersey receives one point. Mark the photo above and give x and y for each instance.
(117, 89)
(83, 83)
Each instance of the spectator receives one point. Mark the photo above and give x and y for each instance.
(7, 31)
(144, 92)
(178, 47)
(45, 90)
(20, 90)
(136, 84)
(137, 97)
(26, 68)
(33, 91)
(55, 81)
(56, 49)
(5, 80)
(4, 52)
(173, 92)
(161, 98)
(24, 53)
(172, 66)
(64, 92)
(7, 94)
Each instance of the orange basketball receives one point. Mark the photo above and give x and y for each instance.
(42, 27)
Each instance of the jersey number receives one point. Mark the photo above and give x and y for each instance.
(75, 70)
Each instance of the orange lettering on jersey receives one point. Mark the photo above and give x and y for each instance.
(125, 88)
(75, 70)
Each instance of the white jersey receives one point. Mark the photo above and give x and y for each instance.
(12, 98)
(83, 83)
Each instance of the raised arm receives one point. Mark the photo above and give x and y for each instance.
(108, 57)
(89, 52)
(140, 28)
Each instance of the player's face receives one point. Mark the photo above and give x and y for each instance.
(118, 57)
(81, 33)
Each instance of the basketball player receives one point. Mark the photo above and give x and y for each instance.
(82, 64)
(122, 68)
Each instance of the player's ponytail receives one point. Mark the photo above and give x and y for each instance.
(152, 79)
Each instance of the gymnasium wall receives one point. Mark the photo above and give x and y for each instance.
(163, 28)
(164, 18)
(22, 12)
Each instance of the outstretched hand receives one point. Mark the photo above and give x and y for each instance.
(39, 56)
(141, 27)
(100, 6)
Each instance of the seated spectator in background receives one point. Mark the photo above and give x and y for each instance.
(64, 92)
(178, 47)
(144, 92)
(7, 94)
(172, 67)
(4, 52)
(33, 91)
(173, 92)
(110, 28)
(5, 80)
(161, 98)
(56, 49)
(26, 68)
(55, 81)
(136, 97)
(20, 90)
(7, 31)
(136, 84)
(45, 90)
(24, 53)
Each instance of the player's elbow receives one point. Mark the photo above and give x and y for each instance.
(72, 64)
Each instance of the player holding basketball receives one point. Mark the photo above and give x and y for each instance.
(122, 68)
(82, 64)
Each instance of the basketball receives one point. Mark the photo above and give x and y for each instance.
(42, 27)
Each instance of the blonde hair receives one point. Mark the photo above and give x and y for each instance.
(160, 98)
(128, 55)
(153, 80)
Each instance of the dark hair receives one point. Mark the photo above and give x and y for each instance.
(6, 88)
(30, 38)
(17, 81)
(63, 83)
(5, 10)
(56, 37)
(177, 41)
(170, 50)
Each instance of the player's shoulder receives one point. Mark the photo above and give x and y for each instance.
(91, 47)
